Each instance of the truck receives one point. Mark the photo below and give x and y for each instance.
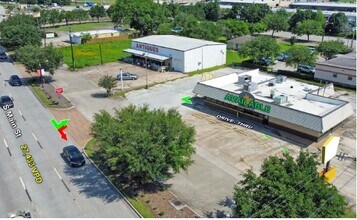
(90, 4)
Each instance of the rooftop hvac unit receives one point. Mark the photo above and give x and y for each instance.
(272, 83)
(272, 93)
(280, 79)
(244, 79)
(249, 86)
(280, 99)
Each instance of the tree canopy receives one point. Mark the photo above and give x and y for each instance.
(236, 27)
(260, 47)
(97, 11)
(277, 21)
(34, 57)
(336, 23)
(287, 188)
(308, 27)
(299, 54)
(302, 15)
(144, 145)
(250, 12)
(20, 35)
(329, 49)
(108, 83)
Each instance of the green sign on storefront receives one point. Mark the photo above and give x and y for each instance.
(246, 99)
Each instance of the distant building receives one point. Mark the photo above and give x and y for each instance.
(330, 6)
(180, 54)
(234, 44)
(271, 3)
(340, 70)
(76, 37)
(185, 2)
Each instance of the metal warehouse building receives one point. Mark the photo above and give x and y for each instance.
(302, 109)
(178, 53)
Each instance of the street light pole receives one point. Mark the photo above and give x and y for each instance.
(146, 72)
(121, 79)
(70, 40)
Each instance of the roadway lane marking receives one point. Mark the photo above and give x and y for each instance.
(65, 185)
(21, 114)
(12, 98)
(7, 147)
(4, 83)
(37, 140)
(24, 186)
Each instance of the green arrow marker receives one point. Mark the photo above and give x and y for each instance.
(59, 125)
(267, 136)
(187, 100)
(286, 149)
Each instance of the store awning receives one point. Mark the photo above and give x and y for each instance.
(146, 54)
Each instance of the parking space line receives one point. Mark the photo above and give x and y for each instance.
(7, 147)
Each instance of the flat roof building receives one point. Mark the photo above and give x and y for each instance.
(302, 109)
(340, 70)
(76, 37)
(181, 54)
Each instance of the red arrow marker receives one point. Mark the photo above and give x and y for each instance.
(61, 131)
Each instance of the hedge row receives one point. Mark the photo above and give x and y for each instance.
(296, 74)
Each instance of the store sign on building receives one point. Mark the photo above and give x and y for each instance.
(247, 100)
(147, 47)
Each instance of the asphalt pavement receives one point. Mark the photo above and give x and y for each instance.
(63, 191)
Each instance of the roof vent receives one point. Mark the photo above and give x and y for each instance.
(272, 93)
(249, 86)
(280, 79)
(244, 79)
(272, 83)
(280, 99)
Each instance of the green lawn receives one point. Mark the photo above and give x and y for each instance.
(82, 27)
(138, 204)
(89, 55)
(41, 96)
(284, 46)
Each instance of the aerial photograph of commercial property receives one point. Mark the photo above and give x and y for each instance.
(178, 109)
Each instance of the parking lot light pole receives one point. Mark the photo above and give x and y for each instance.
(146, 71)
(70, 40)
(121, 79)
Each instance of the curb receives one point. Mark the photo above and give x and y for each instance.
(37, 97)
(186, 205)
(126, 200)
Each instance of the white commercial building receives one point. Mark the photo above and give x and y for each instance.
(76, 37)
(302, 109)
(178, 53)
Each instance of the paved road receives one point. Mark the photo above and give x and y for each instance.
(86, 193)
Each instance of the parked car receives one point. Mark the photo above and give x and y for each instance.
(73, 156)
(283, 56)
(306, 69)
(266, 61)
(15, 80)
(3, 55)
(6, 100)
(127, 76)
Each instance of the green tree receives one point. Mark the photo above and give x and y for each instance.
(287, 188)
(196, 10)
(237, 28)
(97, 11)
(108, 83)
(260, 47)
(336, 23)
(302, 15)
(299, 54)
(258, 27)
(80, 15)
(45, 16)
(21, 35)
(49, 58)
(330, 49)
(18, 19)
(251, 13)
(143, 145)
(35, 9)
(308, 27)
(67, 16)
(85, 37)
(54, 17)
(211, 10)
(277, 21)
(206, 30)
(186, 22)
(165, 28)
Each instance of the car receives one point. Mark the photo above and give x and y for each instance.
(312, 49)
(127, 76)
(3, 55)
(283, 56)
(306, 69)
(6, 100)
(73, 156)
(15, 80)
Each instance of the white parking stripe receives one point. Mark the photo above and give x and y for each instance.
(59, 176)
(23, 184)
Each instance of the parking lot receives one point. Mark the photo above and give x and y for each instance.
(223, 151)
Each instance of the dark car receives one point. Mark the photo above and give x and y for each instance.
(6, 100)
(283, 57)
(15, 80)
(73, 156)
(3, 55)
(127, 76)
(264, 62)
(306, 69)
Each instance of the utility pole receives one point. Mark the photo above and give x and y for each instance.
(100, 51)
(146, 72)
(70, 40)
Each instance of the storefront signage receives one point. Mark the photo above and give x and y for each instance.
(231, 120)
(247, 100)
(147, 47)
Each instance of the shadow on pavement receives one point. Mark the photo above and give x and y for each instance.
(99, 95)
(91, 183)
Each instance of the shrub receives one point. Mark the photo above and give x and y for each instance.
(293, 40)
